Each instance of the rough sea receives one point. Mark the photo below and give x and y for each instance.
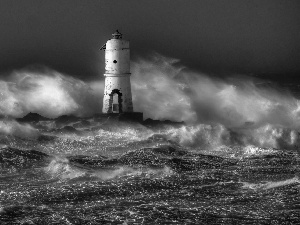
(102, 171)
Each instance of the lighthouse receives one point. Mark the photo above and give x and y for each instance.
(117, 91)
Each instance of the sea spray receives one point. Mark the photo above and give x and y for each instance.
(12, 127)
(235, 160)
(163, 89)
(47, 92)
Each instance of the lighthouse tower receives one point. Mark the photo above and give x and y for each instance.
(117, 92)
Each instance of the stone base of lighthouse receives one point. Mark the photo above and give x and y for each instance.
(117, 94)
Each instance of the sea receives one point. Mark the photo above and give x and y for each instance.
(94, 170)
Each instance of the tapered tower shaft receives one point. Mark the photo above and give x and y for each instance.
(117, 92)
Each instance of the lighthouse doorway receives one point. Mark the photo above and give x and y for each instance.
(115, 103)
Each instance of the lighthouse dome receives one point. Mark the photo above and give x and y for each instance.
(117, 35)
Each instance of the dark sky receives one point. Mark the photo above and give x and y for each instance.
(215, 36)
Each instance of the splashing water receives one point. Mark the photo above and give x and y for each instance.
(173, 92)
(269, 185)
(46, 92)
(234, 161)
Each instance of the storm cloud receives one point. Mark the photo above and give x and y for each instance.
(212, 36)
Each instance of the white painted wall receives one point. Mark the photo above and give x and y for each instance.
(117, 49)
(117, 74)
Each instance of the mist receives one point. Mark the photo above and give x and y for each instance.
(218, 112)
(238, 110)
(163, 89)
(47, 92)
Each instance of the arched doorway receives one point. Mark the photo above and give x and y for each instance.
(115, 101)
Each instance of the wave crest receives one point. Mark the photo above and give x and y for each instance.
(271, 184)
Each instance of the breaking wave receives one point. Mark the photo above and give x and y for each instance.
(163, 89)
(64, 170)
(239, 139)
(271, 184)
(12, 127)
(218, 112)
(46, 92)
(211, 137)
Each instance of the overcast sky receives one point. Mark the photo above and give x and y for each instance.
(214, 36)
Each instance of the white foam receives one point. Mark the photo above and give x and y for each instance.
(270, 184)
(60, 168)
(47, 92)
(12, 127)
(122, 171)
(250, 150)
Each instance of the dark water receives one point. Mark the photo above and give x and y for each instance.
(109, 172)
